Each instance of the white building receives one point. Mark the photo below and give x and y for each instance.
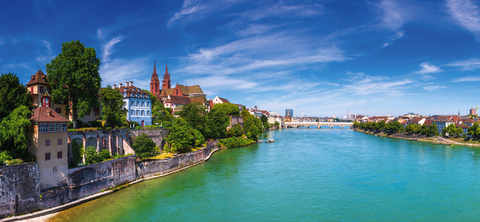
(137, 102)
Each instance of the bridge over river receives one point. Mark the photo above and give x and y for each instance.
(318, 124)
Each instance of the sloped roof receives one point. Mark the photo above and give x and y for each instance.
(224, 100)
(461, 125)
(199, 99)
(132, 90)
(46, 114)
(38, 78)
(178, 100)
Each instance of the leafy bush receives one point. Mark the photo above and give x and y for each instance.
(105, 154)
(91, 155)
(235, 131)
(143, 146)
(13, 161)
(108, 128)
(95, 123)
(70, 125)
(138, 127)
(4, 157)
(236, 142)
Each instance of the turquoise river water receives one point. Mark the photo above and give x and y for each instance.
(307, 175)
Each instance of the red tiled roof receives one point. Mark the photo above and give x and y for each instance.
(461, 125)
(38, 78)
(469, 121)
(428, 122)
(132, 90)
(46, 114)
(224, 100)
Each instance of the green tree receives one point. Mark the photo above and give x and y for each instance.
(277, 124)
(474, 130)
(74, 76)
(433, 130)
(424, 129)
(381, 125)
(217, 124)
(235, 131)
(113, 110)
(12, 95)
(180, 137)
(77, 154)
(195, 115)
(393, 127)
(14, 134)
(143, 146)
(264, 120)
(229, 108)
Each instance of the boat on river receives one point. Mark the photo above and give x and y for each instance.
(270, 141)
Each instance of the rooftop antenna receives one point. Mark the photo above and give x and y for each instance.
(38, 67)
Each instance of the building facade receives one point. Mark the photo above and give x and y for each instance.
(137, 102)
(48, 132)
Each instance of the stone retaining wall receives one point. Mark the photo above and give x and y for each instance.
(154, 167)
(87, 180)
(19, 189)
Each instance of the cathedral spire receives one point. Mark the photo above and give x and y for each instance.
(166, 68)
(154, 67)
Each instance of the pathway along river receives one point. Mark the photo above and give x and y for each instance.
(307, 175)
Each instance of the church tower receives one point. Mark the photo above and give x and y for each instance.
(154, 83)
(166, 79)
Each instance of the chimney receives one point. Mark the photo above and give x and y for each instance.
(119, 85)
(130, 83)
(126, 84)
(114, 86)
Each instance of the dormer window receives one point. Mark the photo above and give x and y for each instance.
(125, 89)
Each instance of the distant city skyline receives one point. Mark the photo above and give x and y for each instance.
(382, 57)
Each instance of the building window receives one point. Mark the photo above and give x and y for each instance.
(47, 142)
(49, 90)
(41, 127)
(59, 155)
(138, 103)
(148, 113)
(41, 89)
(137, 112)
(133, 103)
(60, 142)
(64, 127)
(50, 129)
(47, 156)
(58, 110)
(55, 127)
(143, 104)
(131, 113)
(143, 112)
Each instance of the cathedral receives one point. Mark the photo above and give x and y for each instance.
(178, 96)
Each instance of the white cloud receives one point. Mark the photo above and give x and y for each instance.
(466, 65)
(428, 68)
(107, 48)
(393, 18)
(433, 87)
(467, 14)
(47, 45)
(467, 79)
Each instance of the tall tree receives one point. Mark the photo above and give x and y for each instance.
(74, 77)
(474, 130)
(196, 116)
(12, 95)
(217, 123)
(113, 110)
(229, 108)
(14, 134)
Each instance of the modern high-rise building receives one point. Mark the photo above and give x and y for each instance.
(289, 112)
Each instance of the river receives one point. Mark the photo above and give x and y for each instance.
(307, 175)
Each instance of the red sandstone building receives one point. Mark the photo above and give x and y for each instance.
(175, 98)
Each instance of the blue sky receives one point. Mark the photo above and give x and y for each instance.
(323, 57)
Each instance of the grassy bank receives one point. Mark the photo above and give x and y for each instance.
(433, 139)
